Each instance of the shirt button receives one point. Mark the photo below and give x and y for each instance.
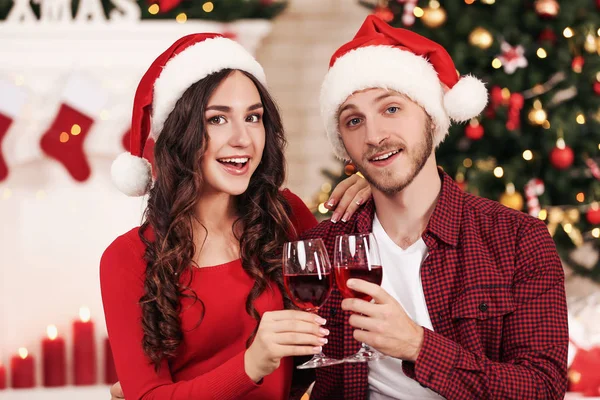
(483, 307)
(440, 316)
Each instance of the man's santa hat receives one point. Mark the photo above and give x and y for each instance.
(186, 62)
(397, 59)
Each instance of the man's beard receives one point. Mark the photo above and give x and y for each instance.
(386, 183)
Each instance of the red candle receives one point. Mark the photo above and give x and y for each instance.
(84, 349)
(110, 373)
(53, 357)
(21, 367)
(2, 377)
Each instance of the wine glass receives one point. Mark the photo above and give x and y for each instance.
(357, 256)
(308, 279)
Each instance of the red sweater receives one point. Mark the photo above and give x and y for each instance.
(210, 363)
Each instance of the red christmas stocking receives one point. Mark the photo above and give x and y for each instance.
(5, 123)
(82, 102)
(12, 99)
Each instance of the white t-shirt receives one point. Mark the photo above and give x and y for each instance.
(402, 280)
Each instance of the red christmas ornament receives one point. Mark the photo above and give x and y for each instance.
(349, 169)
(496, 95)
(166, 5)
(547, 35)
(384, 13)
(496, 100)
(593, 214)
(597, 85)
(474, 130)
(515, 104)
(577, 64)
(562, 158)
(584, 374)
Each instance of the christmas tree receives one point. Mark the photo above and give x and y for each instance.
(536, 146)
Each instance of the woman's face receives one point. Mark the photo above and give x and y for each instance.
(236, 136)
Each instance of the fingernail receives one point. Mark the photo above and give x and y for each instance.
(331, 202)
(320, 320)
(317, 349)
(335, 217)
(358, 202)
(323, 340)
(324, 331)
(346, 217)
(350, 283)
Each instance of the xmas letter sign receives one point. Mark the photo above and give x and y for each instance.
(59, 11)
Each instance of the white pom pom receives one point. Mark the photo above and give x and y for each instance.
(466, 99)
(131, 175)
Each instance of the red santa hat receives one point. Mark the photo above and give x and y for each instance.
(381, 56)
(187, 61)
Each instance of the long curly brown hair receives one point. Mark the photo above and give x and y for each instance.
(262, 210)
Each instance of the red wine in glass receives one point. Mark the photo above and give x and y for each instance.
(343, 273)
(357, 257)
(308, 291)
(308, 279)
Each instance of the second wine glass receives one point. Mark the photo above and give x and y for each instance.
(357, 256)
(308, 279)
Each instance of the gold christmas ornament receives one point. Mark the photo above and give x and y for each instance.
(567, 218)
(547, 8)
(511, 198)
(590, 44)
(481, 38)
(537, 115)
(434, 15)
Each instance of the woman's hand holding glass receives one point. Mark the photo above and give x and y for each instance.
(284, 333)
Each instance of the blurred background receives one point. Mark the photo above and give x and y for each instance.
(68, 73)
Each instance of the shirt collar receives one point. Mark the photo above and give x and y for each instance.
(445, 220)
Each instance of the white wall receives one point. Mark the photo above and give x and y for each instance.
(53, 233)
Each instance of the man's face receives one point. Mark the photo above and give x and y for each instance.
(387, 136)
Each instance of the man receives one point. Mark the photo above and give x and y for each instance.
(472, 304)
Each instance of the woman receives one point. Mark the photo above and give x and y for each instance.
(184, 320)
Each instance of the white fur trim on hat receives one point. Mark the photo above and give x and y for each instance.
(193, 64)
(131, 175)
(395, 69)
(466, 99)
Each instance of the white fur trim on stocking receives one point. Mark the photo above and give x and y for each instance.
(85, 95)
(12, 99)
(131, 175)
(193, 64)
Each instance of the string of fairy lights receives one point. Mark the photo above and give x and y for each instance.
(182, 18)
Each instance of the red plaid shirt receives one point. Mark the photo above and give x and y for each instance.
(494, 288)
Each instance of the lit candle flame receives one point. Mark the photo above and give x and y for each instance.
(52, 332)
(23, 352)
(84, 314)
